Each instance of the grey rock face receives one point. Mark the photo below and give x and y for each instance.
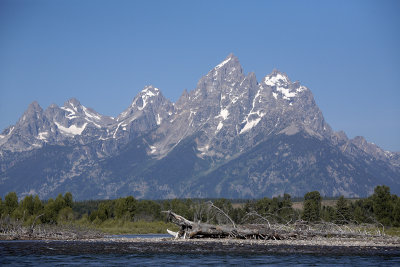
(148, 110)
(232, 136)
(234, 112)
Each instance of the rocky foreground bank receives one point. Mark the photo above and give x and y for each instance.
(382, 245)
(386, 246)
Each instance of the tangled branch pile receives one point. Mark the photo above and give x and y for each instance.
(11, 229)
(264, 229)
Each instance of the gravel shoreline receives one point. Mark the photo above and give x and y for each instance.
(381, 245)
(386, 246)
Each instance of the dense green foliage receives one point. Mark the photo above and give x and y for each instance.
(121, 215)
(312, 206)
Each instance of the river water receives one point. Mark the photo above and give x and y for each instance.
(54, 253)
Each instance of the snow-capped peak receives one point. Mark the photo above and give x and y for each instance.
(150, 90)
(276, 78)
(145, 95)
(78, 115)
(282, 86)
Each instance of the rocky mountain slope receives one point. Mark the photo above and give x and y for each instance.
(231, 136)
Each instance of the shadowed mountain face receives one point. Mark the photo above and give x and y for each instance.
(232, 136)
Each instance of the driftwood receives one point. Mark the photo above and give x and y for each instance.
(189, 229)
(297, 230)
(11, 229)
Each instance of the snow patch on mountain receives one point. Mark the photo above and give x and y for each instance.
(116, 130)
(153, 149)
(159, 119)
(223, 63)
(204, 150)
(219, 127)
(71, 130)
(286, 93)
(147, 93)
(249, 125)
(43, 135)
(71, 113)
(275, 79)
(223, 114)
(90, 114)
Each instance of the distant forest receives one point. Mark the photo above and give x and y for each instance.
(380, 208)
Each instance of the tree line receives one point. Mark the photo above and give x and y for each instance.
(381, 207)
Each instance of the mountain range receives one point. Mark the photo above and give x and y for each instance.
(232, 136)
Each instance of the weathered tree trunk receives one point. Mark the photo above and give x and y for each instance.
(191, 229)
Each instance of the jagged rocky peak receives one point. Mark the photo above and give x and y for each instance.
(182, 99)
(363, 144)
(145, 96)
(73, 106)
(229, 137)
(148, 110)
(33, 113)
(34, 106)
(251, 78)
(149, 100)
(34, 110)
(227, 72)
(277, 78)
(282, 86)
(229, 69)
(75, 111)
(340, 137)
(230, 62)
(23, 134)
(72, 102)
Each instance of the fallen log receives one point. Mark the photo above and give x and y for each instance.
(190, 229)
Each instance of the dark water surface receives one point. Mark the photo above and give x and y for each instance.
(53, 253)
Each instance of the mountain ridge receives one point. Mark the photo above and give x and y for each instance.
(226, 116)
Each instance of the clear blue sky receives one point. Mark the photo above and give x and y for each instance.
(104, 52)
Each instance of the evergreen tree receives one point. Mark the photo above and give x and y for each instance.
(342, 214)
(65, 215)
(125, 207)
(362, 211)
(396, 212)
(262, 206)
(131, 205)
(59, 203)
(68, 199)
(286, 212)
(382, 204)
(181, 207)
(328, 213)
(10, 203)
(1, 207)
(50, 212)
(120, 208)
(148, 210)
(37, 205)
(105, 211)
(312, 206)
(27, 205)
